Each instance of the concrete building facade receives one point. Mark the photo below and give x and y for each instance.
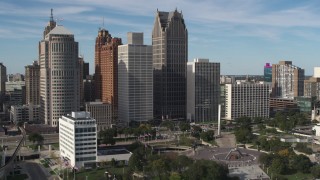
(203, 90)
(247, 99)
(102, 113)
(59, 75)
(32, 81)
(170, 56)
(135, 80)
(78, 139)
(25, 113)
(287, 80)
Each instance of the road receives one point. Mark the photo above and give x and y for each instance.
(34, 171)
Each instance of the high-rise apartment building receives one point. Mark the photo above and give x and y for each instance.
(135, 80)
(106, 68)
(32, 81)
(247, 99)
(267, 72)
(312, 85)
(59, 75)
(203, 90)
(287, 80)
(170, 55)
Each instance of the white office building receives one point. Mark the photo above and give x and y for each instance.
(78, 139)
(203, 90)
(135, 80)
(246, 99)
(102, 113)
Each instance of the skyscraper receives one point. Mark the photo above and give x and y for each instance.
(203, 90)
(106, 68)
(32, 80)
(59, 75)
(170, 54)
(3, 78)
(267, 73)
(135, 80)
(287, 80)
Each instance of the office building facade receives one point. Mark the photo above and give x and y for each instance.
(106, 68)
(102, 113)
(78, 139)
(135, 80)
(247, 99)
(267, 72)
(287, 80)
(203, 90)
(170, 55)
(59, 75)
(32, 81)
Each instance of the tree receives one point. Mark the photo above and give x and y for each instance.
(195, 131)
(107, 136)
(244, 121)
(243, 135)
(184, 126)
(266, 159)
(278, 166)
(301, 163)
(207, 136)
(36, 137)
(315, 171)
(205, 169)
(175, 176)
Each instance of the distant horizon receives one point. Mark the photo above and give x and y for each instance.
(241, 35)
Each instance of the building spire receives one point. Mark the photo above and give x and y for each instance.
(51, 17)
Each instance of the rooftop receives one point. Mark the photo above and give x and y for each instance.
(61, 30)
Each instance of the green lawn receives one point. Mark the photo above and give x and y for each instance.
(99, 174)
(55, 146)
(299, 176)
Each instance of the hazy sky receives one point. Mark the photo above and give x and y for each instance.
(240, 34)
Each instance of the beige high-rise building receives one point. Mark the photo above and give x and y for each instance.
(287, 80)
(32, 80)
(59, 75)
(312, 85)
(102, 113)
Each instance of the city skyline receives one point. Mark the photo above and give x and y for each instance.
(234, 33)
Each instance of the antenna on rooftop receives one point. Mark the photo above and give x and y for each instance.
(51, 17)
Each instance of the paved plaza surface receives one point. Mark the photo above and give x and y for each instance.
(248, 172)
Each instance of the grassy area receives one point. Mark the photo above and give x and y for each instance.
(18, 177)
(299, 175)
(44, 163)
(55, 146)
(100, 173)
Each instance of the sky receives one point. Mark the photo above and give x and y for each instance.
(240, 34)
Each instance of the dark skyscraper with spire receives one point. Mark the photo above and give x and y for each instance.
(170, 54)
